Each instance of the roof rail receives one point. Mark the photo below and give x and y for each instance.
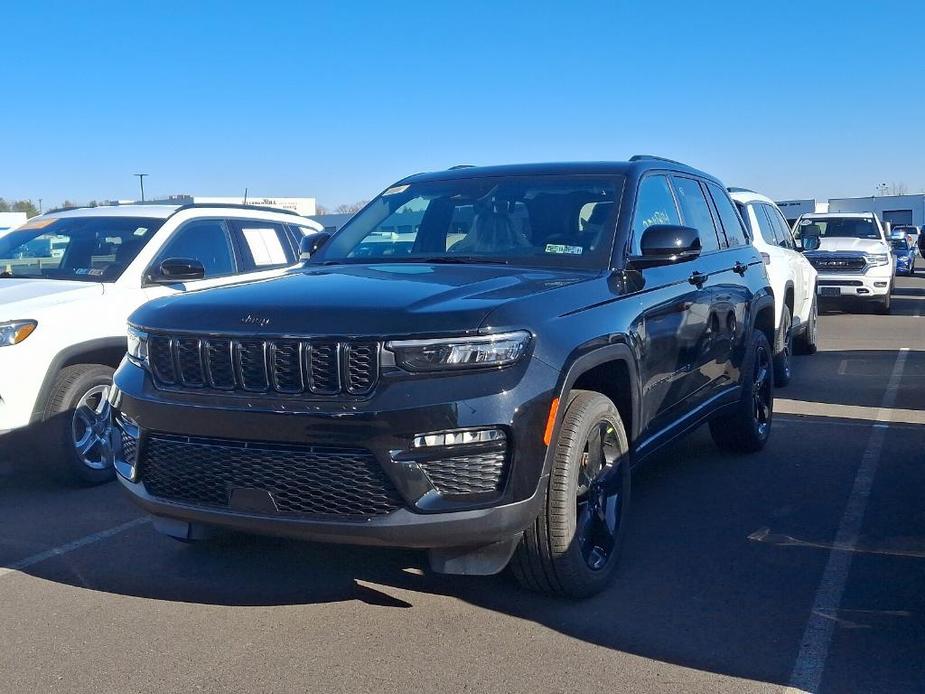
(733, 189)
(652, 157)
(233, 205)
(460, 166)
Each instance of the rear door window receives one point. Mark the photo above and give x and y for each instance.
(783, 229)
(732, 224)
(696, 211)
(265, 245)
(765, 225)
(654, 205)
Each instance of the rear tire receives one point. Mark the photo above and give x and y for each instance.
(76, 424)
(573, 546)
(747, 427)
(805, 342)
(783, 350)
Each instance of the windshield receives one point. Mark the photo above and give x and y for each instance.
(839, 227)
(91, 249)
(536, 221)
(899, 245)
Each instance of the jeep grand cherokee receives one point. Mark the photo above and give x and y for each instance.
(471, 366)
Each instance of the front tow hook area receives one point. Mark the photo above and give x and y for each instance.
(483, 560)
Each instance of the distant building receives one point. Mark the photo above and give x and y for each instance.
(11, 220)
(303, 206)
(896, 209)
(792, 209)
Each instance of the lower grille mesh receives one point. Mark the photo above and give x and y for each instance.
(302, 480)
(479, 473)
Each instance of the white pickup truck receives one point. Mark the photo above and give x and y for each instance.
(852, 255)
(69, 280)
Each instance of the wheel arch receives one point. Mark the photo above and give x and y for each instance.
(107, 351)
(764, 317)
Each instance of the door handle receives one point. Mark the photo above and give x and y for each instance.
(739, 267)
(697, 279)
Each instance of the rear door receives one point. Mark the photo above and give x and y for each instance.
(738, 267)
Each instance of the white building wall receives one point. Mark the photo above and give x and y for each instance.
(303, 206)
(11, 220)
(887, 207)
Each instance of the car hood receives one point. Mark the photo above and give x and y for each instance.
(849, 244)
(372, 299)
(24, 298)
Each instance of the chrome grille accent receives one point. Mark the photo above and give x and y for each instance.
(288, 366)
(833, 262)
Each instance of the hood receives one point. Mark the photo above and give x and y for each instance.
(848, 244)
(22, 298)
(356, 300)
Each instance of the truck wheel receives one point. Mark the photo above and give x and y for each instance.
(746, 428)
(783, 350)
(805, 342)
(76, 421)
(573, 546)
(883, 306)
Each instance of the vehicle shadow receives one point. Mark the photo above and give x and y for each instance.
(694, 588)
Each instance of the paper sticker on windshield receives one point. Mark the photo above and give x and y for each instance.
(395, 190)
(141, 231)
(562, 248)
(39, 223)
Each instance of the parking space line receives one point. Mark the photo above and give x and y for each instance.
(18, 566)
(817, 636)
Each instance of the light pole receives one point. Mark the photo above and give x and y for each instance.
(40, 205)
(141, 180)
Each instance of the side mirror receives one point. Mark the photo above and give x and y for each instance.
(809, 243)
(309, 245)
(666, 244)
(173, 270)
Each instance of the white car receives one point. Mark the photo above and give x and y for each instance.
(68, 282)
(852, 254)
(792, 277)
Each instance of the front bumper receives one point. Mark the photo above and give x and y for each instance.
(854, 286)
(515, 400)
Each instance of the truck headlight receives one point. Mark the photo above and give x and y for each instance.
(15, 331)
(485, 351)
(875, 259)
(137, 346)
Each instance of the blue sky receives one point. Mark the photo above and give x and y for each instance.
(339, 99)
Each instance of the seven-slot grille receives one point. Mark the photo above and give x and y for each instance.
(318, 367)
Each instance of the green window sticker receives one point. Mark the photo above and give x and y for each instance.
(561, 248)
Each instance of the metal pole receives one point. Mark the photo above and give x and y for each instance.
(141, 180)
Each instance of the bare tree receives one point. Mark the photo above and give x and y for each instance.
(350, 208)
(898, 189)
(321, 209)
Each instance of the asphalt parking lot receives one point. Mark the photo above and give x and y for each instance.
(802, 566)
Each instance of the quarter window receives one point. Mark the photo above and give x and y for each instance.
(696, 211)
(207, 241)
(732, 224)
(265, 244)
(654, 205)
(764, 224)
(783, 229)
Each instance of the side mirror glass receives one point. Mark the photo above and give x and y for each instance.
(309, 245)
(810, 243)
(173, 270)
(665, 244)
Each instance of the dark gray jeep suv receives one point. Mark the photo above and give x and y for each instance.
(472, 366)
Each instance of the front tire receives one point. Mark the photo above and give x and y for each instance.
(76, 423)
(783, 350)
(747, 427)
(884, 305)
(572, 548)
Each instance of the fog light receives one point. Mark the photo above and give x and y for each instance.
(456, 438)
(880, 285)
(863, 291)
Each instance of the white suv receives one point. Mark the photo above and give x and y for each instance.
(69, 280)
(792, 277)
(852, 255)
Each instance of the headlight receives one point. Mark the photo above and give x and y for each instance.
(875, 259)
(137, 345)
(498, 350)
(15, 331)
